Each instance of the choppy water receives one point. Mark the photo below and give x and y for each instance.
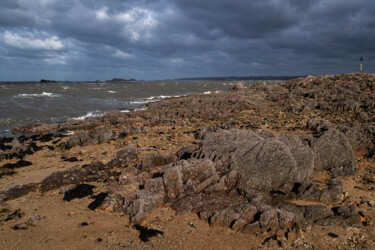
(26, 103)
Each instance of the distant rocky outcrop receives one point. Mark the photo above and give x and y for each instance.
(122, 80)
(47, 81)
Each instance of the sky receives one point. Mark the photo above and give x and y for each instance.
(167, 39)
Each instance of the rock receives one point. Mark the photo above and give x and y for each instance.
(34, 220)
(73, 175)
(154, 160)
(78, 139)
(333, 235)
(67, 188)
(17, 214)
(133, 130)
(238, 86)
(21, 226)
(317, 126)
(334, 153)
(98, 136)
(173, 182)
(263, 164)
(16, 192)
(101, 135)
(109, 204)
(123, 157)
(143, 205)
(360, 136)
(76, 175)
(317, 212)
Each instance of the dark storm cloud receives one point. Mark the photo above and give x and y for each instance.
(86, 39)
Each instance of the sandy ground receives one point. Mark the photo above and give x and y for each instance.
(73, 225)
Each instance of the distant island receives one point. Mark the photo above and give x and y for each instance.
(47, 81)
(121, 80)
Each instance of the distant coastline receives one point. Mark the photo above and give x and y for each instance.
(209, 78)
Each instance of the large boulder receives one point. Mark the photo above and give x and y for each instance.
(334, 153)
(263, 164)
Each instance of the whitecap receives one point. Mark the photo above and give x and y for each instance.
(207, 92)
(44, 94)
(89, 114)
(111, 91)
(139, 102)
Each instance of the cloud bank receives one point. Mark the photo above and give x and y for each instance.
(143, 39)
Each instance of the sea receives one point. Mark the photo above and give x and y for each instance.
(25, 103)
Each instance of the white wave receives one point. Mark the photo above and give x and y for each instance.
(156, 98)
(218, 91)
(65, 87)
(89, 114)
(44, 94)
(125, 111)
(139, 102)
(207, 92)
(111, 91)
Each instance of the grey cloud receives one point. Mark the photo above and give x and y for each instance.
(166, 39)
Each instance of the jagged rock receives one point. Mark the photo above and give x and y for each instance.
(101, 135)
(78, 139)
(318, 126)
(98, 136)
(360, 136)
(134, 130)
(153, 160)
(334, 153)
(123, 157)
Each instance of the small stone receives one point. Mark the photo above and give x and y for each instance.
(21, 226)
(34, 220)
(333, 235)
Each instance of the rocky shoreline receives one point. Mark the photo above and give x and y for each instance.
(284, 165)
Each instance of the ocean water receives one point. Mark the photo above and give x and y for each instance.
(31, 102)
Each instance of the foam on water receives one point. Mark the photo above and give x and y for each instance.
(96, 113)
(44, 94)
